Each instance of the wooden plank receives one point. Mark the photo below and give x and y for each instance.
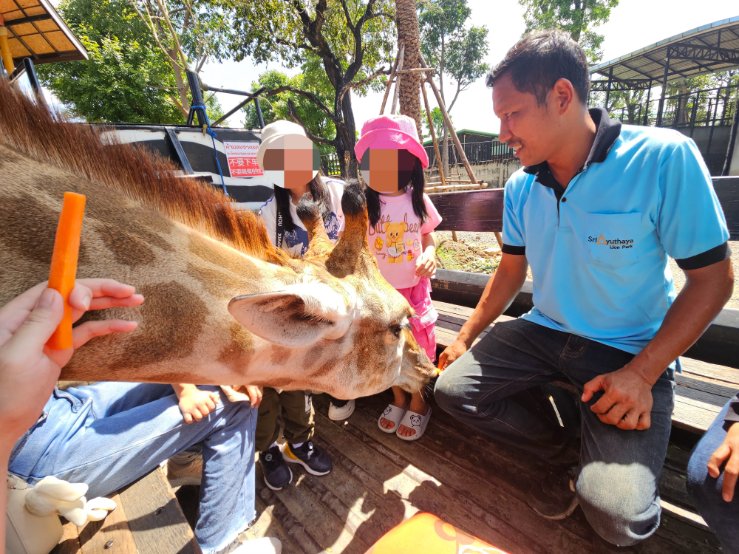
(155, 518)
(110, 535)
(478, 210)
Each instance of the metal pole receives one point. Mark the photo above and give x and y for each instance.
(608, 90)
(197, 98)
(732, 141)
(664, 90)
(33, 80)
(260, 117)
(649, 97)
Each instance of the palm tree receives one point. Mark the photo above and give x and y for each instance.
(409, 37)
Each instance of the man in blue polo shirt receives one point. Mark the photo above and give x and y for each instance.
(595, 213)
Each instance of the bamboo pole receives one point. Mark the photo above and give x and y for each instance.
(401, 54)
(450, 126)
(437, 154)
(390, 83)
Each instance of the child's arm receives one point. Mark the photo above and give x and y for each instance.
(426, 262)
(194, 403)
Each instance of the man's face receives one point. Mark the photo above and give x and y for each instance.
(387, 171)
(527, 127)
(292, 162)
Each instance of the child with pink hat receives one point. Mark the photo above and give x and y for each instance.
(402, 220)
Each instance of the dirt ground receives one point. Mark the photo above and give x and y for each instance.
(479, 253)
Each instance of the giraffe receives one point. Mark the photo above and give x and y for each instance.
(223, 305)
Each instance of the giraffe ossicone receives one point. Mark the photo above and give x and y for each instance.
(223, 305)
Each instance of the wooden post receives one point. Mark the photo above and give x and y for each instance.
(448, 121)
(390, 81)
(437, 154)
(401, 53)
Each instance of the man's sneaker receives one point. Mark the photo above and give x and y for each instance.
(314, 459)
(339, 410)
(185, 468)
(554, 497)
(276, 473)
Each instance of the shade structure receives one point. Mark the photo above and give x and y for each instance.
(36, 31)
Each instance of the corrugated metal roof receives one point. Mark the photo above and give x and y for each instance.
(706, 49)
(37, 31)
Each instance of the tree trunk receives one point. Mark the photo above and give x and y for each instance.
(409, 36)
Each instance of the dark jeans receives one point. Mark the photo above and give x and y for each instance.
(619, 470)
(722, 517)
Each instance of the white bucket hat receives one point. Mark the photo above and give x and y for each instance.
(274, 132)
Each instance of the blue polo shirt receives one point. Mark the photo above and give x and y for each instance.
(598, 249)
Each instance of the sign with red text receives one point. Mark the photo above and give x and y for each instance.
(242, 159)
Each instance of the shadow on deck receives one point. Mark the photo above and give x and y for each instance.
(453, 472)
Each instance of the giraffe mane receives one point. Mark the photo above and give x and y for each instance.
(35, 132)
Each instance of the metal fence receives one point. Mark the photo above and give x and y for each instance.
(476, 152)
(697, 108)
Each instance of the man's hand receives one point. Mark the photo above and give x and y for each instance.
(727, 452)
(195, 403)
(451, 353)
(626, 401)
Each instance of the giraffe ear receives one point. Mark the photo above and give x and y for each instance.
(296, 317)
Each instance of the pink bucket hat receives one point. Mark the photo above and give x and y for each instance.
(391, 132)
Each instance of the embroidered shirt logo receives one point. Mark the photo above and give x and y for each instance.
(612, 243)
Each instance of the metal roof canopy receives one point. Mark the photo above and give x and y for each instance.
(37, 31)
(706, 49)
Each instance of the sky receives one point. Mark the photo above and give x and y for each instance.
(633, 24)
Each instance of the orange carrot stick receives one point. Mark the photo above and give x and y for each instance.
(64, 263)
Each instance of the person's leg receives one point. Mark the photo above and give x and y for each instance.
(494, 387)
(722, 517)
(297, 416)
(107, 453)
(268, 428)
(617, 485)
(227, 492)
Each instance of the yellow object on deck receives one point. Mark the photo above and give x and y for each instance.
(427, 534)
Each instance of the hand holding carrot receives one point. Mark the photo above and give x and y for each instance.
(28, 368)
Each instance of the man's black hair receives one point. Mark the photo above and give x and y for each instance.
(539, 59)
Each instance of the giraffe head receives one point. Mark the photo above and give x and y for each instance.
(222, 304)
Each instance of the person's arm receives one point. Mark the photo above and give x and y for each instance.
(28, 369)
(727, 454)
(499, 292)
(627, 392)
(195, 403)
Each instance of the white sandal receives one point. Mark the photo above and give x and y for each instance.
(416, 422)
(393, 414)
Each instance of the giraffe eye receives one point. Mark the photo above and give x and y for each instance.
(398, 328)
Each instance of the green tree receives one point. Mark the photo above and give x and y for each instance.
(126, 78)
(278, 101)
(457, 51)
(577, 17)
(188, 33)
(437, 119)
(347, 41)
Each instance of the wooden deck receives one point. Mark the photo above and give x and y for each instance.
(148, 520)
(453, 472)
